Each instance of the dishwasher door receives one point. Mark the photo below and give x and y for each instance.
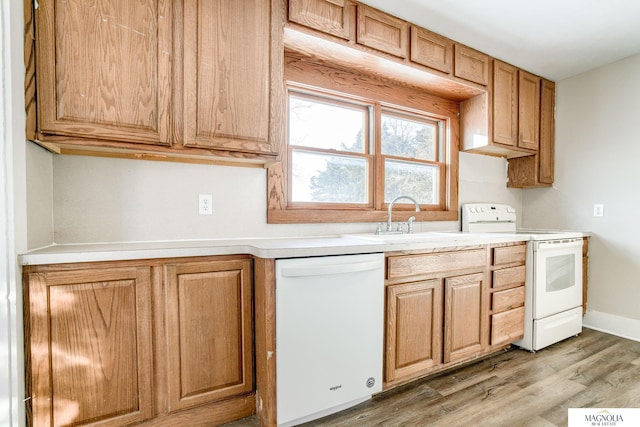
(329, 334)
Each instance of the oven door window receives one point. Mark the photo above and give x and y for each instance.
(560, 272)
(557, 279)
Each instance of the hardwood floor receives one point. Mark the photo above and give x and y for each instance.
(514, 388)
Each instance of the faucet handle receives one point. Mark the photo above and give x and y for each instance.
(378, 229)
(410, 224)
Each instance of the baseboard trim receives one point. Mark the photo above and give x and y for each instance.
(612, 324)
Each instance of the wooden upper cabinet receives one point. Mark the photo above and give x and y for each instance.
(431, 49)
(209, 330)
(89, 346)
(103, 69)
(227, 47)
(471, 65)
(157, 79)
(516, 107)
(505, 103)
(546, 150)
(334, 17)
(381, 31)
(538, 170)
(528, 110)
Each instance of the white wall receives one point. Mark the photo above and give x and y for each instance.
(113, 200)
(39, 196)
(598, 161)
(13, 227)
(484, 179)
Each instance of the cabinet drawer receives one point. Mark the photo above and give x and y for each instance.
(329, 16)
(471, 65)
(509, 277)
(505, 300)
(509, 254)
(413, 265)
(431, 49)
(507, 326)
(382, 32)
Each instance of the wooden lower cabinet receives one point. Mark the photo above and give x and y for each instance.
(465, 316)
(414, 329)
(209, 320)
(437, 311)
(507, 294)
(88, 337)
(159, 342)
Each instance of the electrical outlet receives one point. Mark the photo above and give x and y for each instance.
(205, 204)
(598, 209)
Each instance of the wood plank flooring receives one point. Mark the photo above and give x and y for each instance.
(514, 388)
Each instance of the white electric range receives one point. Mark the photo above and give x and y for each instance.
(553, 288)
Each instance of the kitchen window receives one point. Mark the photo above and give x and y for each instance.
(329, 151)
(351, 149)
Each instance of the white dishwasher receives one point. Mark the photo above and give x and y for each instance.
(329, 334)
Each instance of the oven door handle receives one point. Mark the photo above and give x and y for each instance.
(557, 244)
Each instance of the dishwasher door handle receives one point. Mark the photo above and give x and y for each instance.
(323, 270)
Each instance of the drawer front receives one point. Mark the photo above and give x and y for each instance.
(509, 277)
(509, 254)
(507, 327)
(506, 300)
(414, 265)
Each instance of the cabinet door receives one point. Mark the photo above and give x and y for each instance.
(547, 132)
(89, 349)
(104, 69)
(381, 31)
(465, 316)
(471, 65)
(329, 16)
(431, 49)
(227, 45)
(505, 103)
(528, 110)
(414, 329)
(209, 324)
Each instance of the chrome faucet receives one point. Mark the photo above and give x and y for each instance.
(391, 210)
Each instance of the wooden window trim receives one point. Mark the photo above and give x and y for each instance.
(305, 72)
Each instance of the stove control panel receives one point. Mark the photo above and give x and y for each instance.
(488, 217)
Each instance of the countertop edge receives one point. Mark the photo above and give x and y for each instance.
(269, 248)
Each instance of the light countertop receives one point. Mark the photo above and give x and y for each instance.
(261, 247)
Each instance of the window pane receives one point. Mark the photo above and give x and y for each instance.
(408, 138)
(325, 178)
(325, 125)
(410, 179)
